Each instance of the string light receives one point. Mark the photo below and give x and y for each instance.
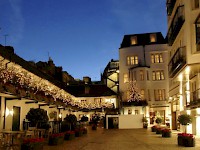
(18, 76)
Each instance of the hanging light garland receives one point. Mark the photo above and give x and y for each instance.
(17, 75)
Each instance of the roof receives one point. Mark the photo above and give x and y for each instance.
(94, 90)
(142, 39)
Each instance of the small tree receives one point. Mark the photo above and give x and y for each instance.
(36, 115)
(185, 120)
(158, 120)
(72, 120)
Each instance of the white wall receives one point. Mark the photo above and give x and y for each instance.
(130, 121)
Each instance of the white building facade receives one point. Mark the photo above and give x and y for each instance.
(144, 58)
(184, 64)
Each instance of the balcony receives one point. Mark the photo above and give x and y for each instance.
(170, 6)
(176, 24)
(177, 61)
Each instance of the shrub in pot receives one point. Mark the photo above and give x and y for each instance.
(185, 139)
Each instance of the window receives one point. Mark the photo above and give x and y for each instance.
(141, 75)
(157, 58)
(159, 94)
(158, 75)
(136, 112)
(195, 4)
(129, 111)
(133, 40)
(198, 33)
(142, 94)
(149, 96)
(125, 77)
(153, 38)
(132, 60)
(147, 75)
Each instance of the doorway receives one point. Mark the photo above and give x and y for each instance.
(16, 118)
(174, 121)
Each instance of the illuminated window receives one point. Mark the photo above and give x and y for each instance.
(157, 58)
(158, 75)
(125, 77)
(133, 40)
(141, 75)
(153, 38)
(132, 60)
(136, 112)
(142, 93)
(198, 33)
(159, 94)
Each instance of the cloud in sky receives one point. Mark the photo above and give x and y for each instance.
(16, 21)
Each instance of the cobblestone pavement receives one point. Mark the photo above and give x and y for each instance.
(114, 139)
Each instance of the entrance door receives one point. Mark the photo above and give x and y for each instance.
(174, 121)
(16, 119)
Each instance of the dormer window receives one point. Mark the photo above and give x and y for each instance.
(153, 38)
(133, 40)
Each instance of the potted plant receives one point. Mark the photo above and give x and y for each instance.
(185, 139)
(95, 120)
(158, 120)
(37, 115)
(145, 122)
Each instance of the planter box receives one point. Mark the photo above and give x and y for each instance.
(159, 131)
(186, 141)
(56, 140)
(32, 146)
(166, 134)
(78, 133)
(153, 129)
(69, 135)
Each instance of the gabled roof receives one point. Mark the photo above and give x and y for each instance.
(94, 90)
(142, 39)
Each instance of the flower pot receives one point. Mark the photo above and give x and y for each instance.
(153, 129)
(186, 140)
(32, 144)
(56, 139)
(69, 135)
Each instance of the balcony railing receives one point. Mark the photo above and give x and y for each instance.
(170, 6)
(177, 61)
(176, 24)
(195, 98)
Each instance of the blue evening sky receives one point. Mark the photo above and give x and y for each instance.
(82, 36)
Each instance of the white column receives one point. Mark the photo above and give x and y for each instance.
(2, 112)
(181, 93)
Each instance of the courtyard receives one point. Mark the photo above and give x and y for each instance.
(114, 139)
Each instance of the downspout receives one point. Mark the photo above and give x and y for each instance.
(144, 55)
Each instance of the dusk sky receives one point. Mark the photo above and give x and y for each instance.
(82, 36)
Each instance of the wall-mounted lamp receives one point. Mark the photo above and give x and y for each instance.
(60, 115)
(9, 112)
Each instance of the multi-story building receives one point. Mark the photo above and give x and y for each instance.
(144, 58)
(184, 65)
(110, 76)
